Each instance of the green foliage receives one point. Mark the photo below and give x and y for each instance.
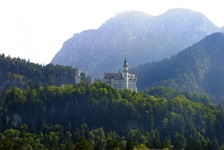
(83, 144)
(22, 73)
(129, 145)
(170, 93)
(99, 117)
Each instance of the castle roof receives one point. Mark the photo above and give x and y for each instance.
(115, 76)
(125, 62)
(119, 76)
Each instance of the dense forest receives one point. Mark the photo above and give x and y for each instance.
(96, 116)
(42, 108)
(22, 73)
(198, 68)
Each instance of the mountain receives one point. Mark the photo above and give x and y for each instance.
(199, 68)
(138, 36)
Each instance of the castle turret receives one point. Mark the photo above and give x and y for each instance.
(125, 73)
(77, 76)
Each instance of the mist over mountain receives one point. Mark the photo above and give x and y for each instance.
(137, 36)
(199, 68)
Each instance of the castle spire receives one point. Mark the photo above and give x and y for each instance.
(125, 62)
(125, 66)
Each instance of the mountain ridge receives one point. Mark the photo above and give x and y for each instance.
(140, 38)
(198, 68)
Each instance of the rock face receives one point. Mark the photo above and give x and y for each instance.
(137, 36)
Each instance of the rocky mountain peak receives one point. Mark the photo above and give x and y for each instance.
(136, 35)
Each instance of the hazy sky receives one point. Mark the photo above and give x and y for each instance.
(36, 29)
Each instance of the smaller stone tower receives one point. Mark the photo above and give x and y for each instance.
(77, 76)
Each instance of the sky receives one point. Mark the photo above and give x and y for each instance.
(35, 30)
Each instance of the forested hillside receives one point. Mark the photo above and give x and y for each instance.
(42, 108)
(22, 73)
(198, 68)
(96, 116)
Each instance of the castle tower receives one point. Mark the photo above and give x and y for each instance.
(125, 73)
(77, 76)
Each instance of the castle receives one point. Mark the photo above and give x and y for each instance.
(121, 80)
